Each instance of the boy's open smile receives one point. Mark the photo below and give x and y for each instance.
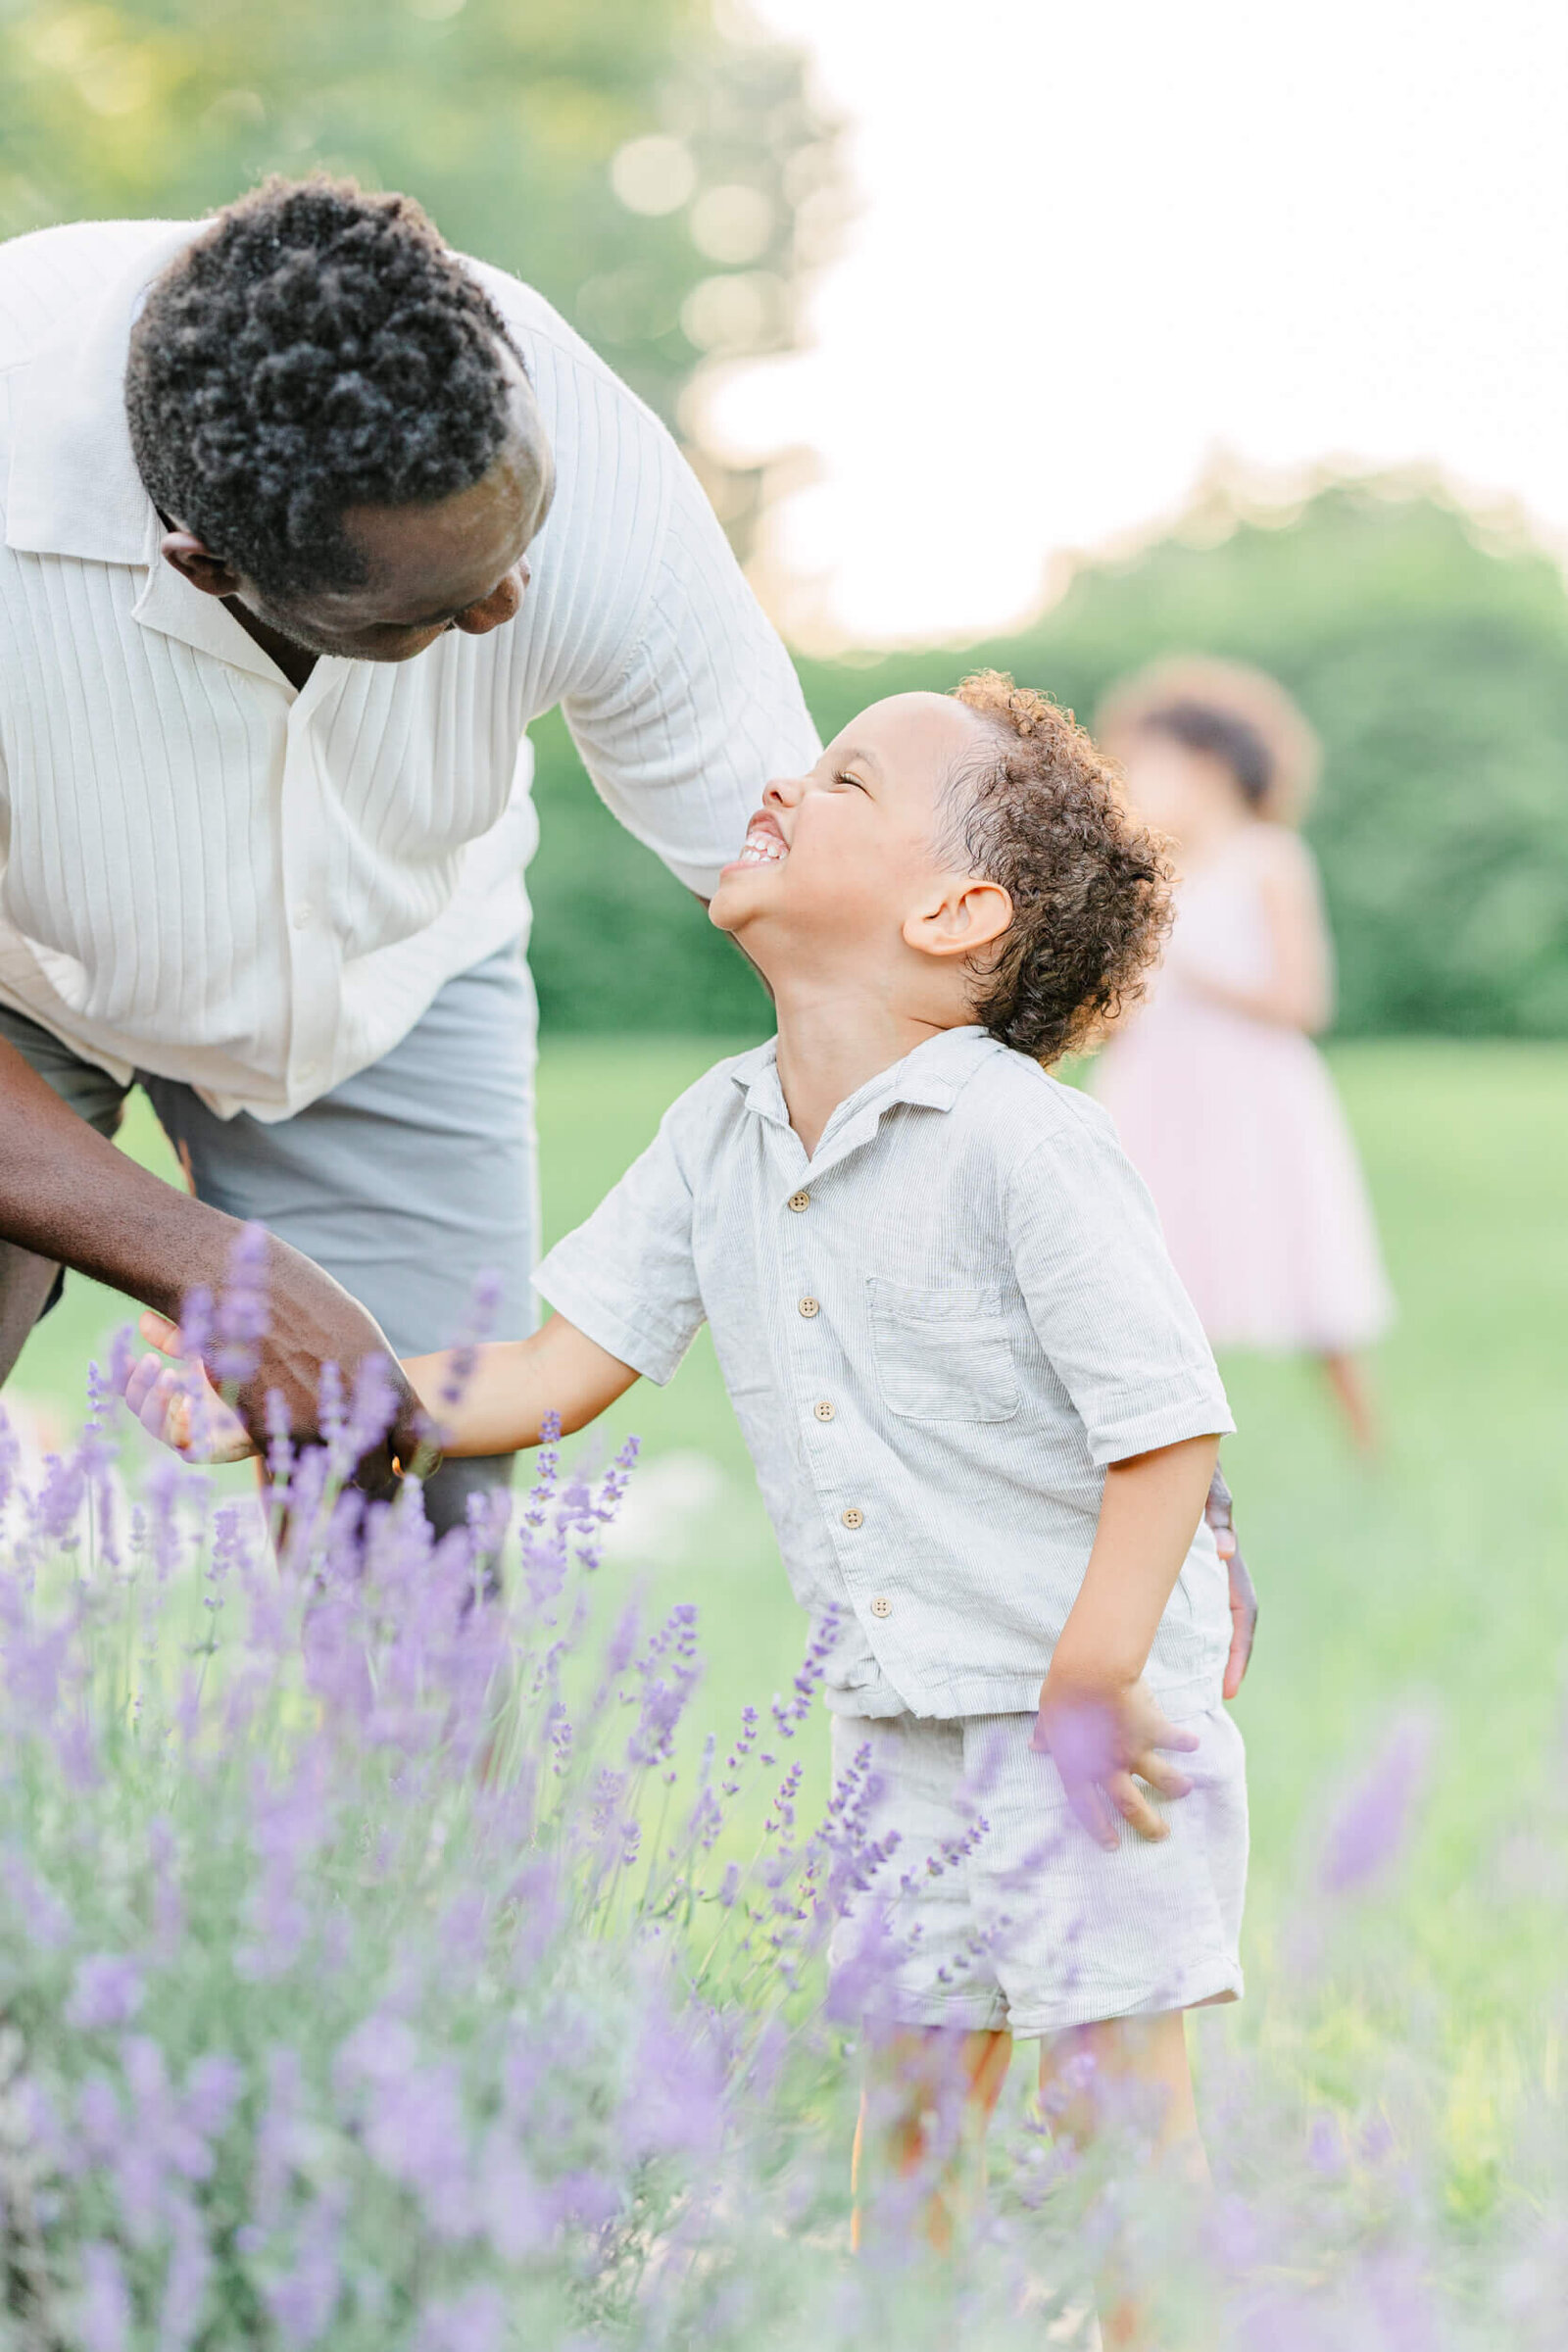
(765, 844)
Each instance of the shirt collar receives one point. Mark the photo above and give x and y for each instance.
(932, 1076)
(74, 488)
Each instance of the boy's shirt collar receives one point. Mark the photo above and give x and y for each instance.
(931, 1077)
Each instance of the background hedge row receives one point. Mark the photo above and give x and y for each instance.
(1434, 664)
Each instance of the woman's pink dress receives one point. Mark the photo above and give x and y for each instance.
(1237, 1130)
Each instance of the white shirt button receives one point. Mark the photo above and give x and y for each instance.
(853, 1518)
(309, 1069)
(823, 1412)
(809, 1307)
(799, 1201)
(301, 915)
(881, 1606)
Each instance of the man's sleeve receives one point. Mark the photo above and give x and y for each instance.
(1121, 1334)
(627, 1277)
(706, 706)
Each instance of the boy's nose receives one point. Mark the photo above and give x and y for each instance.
(782, 793)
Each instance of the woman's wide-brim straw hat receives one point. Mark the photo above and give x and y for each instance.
(1295, 752)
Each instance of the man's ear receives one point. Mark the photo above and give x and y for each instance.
(195, 561)
(966, 916)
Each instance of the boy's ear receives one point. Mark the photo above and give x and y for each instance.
(966, 918)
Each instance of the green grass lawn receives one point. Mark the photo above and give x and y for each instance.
(1437, 1580)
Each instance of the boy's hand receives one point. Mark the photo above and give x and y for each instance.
(177, 1403)
(1100, 1735)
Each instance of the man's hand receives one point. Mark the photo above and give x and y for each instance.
(1100, 1735)
(68, 1195)
(1243, 1596)
(314, 1321)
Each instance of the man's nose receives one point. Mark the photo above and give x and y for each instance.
(493, 612)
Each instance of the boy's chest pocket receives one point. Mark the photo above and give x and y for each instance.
(942, 1355)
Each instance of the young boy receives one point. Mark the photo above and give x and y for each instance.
(983, 1414)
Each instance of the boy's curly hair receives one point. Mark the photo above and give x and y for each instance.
(1043, 814)
(317, 349)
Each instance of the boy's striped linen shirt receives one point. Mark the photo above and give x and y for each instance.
(937, 1333)
(259, 891)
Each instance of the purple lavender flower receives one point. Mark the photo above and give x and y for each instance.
(103, 2308)
(186, 2279)
(304, 2299)
(44, 1917)
(1368, 1834)
(475, 2321)
(244, 1315)
(108, 1990)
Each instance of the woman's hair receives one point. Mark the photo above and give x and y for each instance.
(1227, 711)
(1222, 736)
(1041, 812)
(317, 349)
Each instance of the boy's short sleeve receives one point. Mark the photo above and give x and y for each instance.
(626, 1277)
(1105, 1302)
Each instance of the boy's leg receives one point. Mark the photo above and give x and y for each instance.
(924, 2109)
(1128, 2076)
(408, 1182)
(1132, 2073)
(29, 1285)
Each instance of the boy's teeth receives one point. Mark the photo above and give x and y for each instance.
(764, 849)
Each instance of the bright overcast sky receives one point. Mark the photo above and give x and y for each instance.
(1100, 243)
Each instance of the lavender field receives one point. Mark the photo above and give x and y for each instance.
(377, 1970)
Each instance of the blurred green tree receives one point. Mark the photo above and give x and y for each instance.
(1432, 656)
(662, 174)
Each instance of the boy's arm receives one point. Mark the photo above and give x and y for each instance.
(489, 1399)
(1096, 1718)
(492, 1399)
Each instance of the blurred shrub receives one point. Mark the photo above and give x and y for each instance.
(1434, 664)
(659, 177)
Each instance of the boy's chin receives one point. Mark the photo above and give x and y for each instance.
(734, 904)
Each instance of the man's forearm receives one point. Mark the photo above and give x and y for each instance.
(68, 1194)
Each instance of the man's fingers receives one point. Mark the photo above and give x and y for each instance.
(1244, 1620)
(1135, 1808)
(1235, 1664)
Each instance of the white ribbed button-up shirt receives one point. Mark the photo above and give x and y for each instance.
(973, 1280)
(207, 874)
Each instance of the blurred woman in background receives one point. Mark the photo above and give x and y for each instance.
(1222, 1101)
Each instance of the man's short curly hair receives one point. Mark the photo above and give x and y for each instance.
(1041, 812)
(317, 349)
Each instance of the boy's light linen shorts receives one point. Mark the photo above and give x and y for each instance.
(997, 1910)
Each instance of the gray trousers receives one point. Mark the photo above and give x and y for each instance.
(406, 1182)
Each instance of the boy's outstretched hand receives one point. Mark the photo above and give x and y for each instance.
(1099, 1738)
(177, 1403)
